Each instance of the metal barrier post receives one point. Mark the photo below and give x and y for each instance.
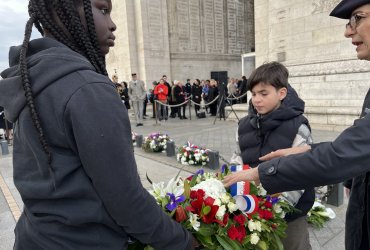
(214, 159)
(170, 148)
(335, 196)
(4, 147)
(139, 141)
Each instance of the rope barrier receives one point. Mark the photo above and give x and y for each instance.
(171, 106)
(206, 104)
(236, 98)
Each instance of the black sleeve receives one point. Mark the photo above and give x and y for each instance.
(102, 134)
(327, 163)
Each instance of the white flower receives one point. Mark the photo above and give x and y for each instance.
(217, 202)
(261, 191)
(212, 187)
(254, 239)
(221, 212)
(191, 162)
(254, 225)
(178, 157)
(193, 219)
(225, 198)
(232, 207)
(277, 208)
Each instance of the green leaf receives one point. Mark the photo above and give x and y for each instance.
(262, 245)
(224, 243)
(148, 248)
(234, 244)
(187, 189)
(206, 210)
(206, 230)
(193, 180)
(136, 246)
(147, 177)
(279, 244)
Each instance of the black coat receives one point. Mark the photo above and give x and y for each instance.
(196, 92)
(328, 163)
(179, 93)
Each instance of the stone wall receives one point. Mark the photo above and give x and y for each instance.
(322, 63)
(180, 38)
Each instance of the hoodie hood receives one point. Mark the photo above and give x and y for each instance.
(48, 60)
(290, 107)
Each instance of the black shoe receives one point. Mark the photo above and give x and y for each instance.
(139, 124)
(144, 117)
(184, 117)
(180, 117)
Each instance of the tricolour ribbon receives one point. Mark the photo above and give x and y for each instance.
(241, 193)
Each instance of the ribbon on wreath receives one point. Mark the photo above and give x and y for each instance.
(241, 193)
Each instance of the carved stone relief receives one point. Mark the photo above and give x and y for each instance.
(320, 6)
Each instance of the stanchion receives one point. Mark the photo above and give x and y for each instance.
(170, 148)
(335, 196)
(214, 159)
(139, 141)
(4, 147)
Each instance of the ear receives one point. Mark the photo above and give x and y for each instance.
(282, 93)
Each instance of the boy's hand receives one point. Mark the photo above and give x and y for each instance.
(285, 152)
(245, 175)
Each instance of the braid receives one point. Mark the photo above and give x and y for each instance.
(28, 90)
(78, 39)
(92, 35)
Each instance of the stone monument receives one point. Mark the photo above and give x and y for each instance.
(181, 38)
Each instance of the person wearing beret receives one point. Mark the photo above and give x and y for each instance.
(331, 162)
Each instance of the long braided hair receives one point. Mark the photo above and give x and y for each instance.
(42, 14)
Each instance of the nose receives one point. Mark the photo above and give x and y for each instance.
(349, 31)
(112, 25)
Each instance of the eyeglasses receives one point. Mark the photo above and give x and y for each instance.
(354, 20)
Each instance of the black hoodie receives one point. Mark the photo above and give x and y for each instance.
(98, 199)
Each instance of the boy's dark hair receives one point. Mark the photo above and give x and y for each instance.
(272, 73)
(42, 14)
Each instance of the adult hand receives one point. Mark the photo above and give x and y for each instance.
(285, 152)
(245, 175)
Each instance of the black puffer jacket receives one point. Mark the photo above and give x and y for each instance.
(259, 136)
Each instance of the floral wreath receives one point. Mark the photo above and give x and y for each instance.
(155, 142)
(189, 154)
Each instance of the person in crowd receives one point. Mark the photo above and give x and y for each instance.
(331, 162)
(275, 120)
(161, 92)
(6, 126)
(232, 90)
(124, 95)
(164, 77)
(153, 98)
(205, 90)
(187, 88)
(172, 100)
(212, 95)
(180, 97)
(145, 104)
(242, 90)
(137, 94)
(221, 102)
(73, 160)
(196, 95)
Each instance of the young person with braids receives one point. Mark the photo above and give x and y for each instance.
(77, 178)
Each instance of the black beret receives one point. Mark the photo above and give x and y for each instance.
(345, 8)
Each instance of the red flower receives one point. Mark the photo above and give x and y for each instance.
(240, 219)
(198, 194)
(236, 233)
(268, 204)
(180, 214)
(242, 233)
(233, 232)
(226, 219)
(265, 214)
(211, 216)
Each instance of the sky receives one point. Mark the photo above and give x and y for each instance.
(13, 18)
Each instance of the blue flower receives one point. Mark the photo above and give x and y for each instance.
(172, 205)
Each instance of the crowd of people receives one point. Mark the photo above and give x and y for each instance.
(175, 95)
